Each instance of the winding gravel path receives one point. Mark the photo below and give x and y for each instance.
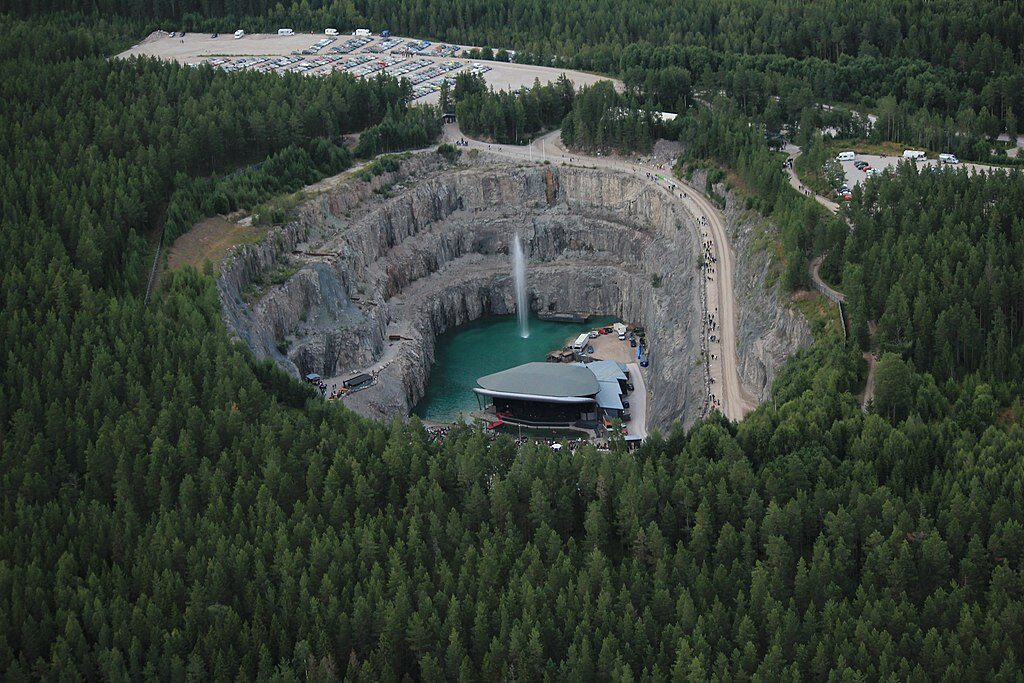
(822, 286)
(815, 267)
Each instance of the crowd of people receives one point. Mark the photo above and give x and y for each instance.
(439, 432)
(710, 334)
(571, 445)
(709, 261)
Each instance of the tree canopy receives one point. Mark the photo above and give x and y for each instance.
(173, 509)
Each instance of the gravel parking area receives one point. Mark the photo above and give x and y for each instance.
(425, 64)
(854, 175)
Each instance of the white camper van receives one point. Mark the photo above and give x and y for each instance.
(948, 159)
(913, 155)
(580, 345)
(846, 156)
(330, 31)
(362, 32)
(239, 33)
(285, 32)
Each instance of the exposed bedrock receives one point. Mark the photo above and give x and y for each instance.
(370, 273)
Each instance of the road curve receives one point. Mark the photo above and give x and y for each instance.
(735, 401)
(794, 180)
(835, 295)
(821, 285)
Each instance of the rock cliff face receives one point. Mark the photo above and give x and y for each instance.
(370, 273)
(768, 331)
(376, 280)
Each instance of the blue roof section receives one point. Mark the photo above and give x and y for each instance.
(605, 370)
(608, 396)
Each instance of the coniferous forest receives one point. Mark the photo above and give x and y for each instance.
(173, 509)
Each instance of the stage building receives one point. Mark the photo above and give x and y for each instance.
(555, 394)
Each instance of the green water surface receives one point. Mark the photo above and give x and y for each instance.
(487, 345)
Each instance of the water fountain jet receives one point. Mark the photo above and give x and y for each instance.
(519, 278)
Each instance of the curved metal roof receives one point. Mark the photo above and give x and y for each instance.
(555, 380)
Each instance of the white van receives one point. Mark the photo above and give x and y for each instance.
(285, 32)
(846, 156)
(948, 159)
(580, 345)
(330, 31)
(239, 33)
(913, 154)
(362, 32)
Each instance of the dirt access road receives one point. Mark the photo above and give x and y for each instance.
(822, 286)
(794, 181)
(736, 402)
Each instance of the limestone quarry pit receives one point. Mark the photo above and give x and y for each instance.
(370, 273)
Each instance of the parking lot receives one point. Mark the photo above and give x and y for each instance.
(425, 64)
(854, 175)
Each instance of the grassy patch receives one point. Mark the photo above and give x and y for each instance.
(259, 285)
(277, 210)
(766, 239)
(210, 240)
(386, 163)
(887, 148)
(821, 314)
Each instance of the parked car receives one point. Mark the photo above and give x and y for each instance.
(632, 342)
(593, 334)
(622, 336)
(625, 404)
(629, 386)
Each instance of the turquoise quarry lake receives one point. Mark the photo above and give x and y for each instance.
(487, 345)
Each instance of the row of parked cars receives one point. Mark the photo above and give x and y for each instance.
(865, 167)
(351, 44)
(318, 45)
